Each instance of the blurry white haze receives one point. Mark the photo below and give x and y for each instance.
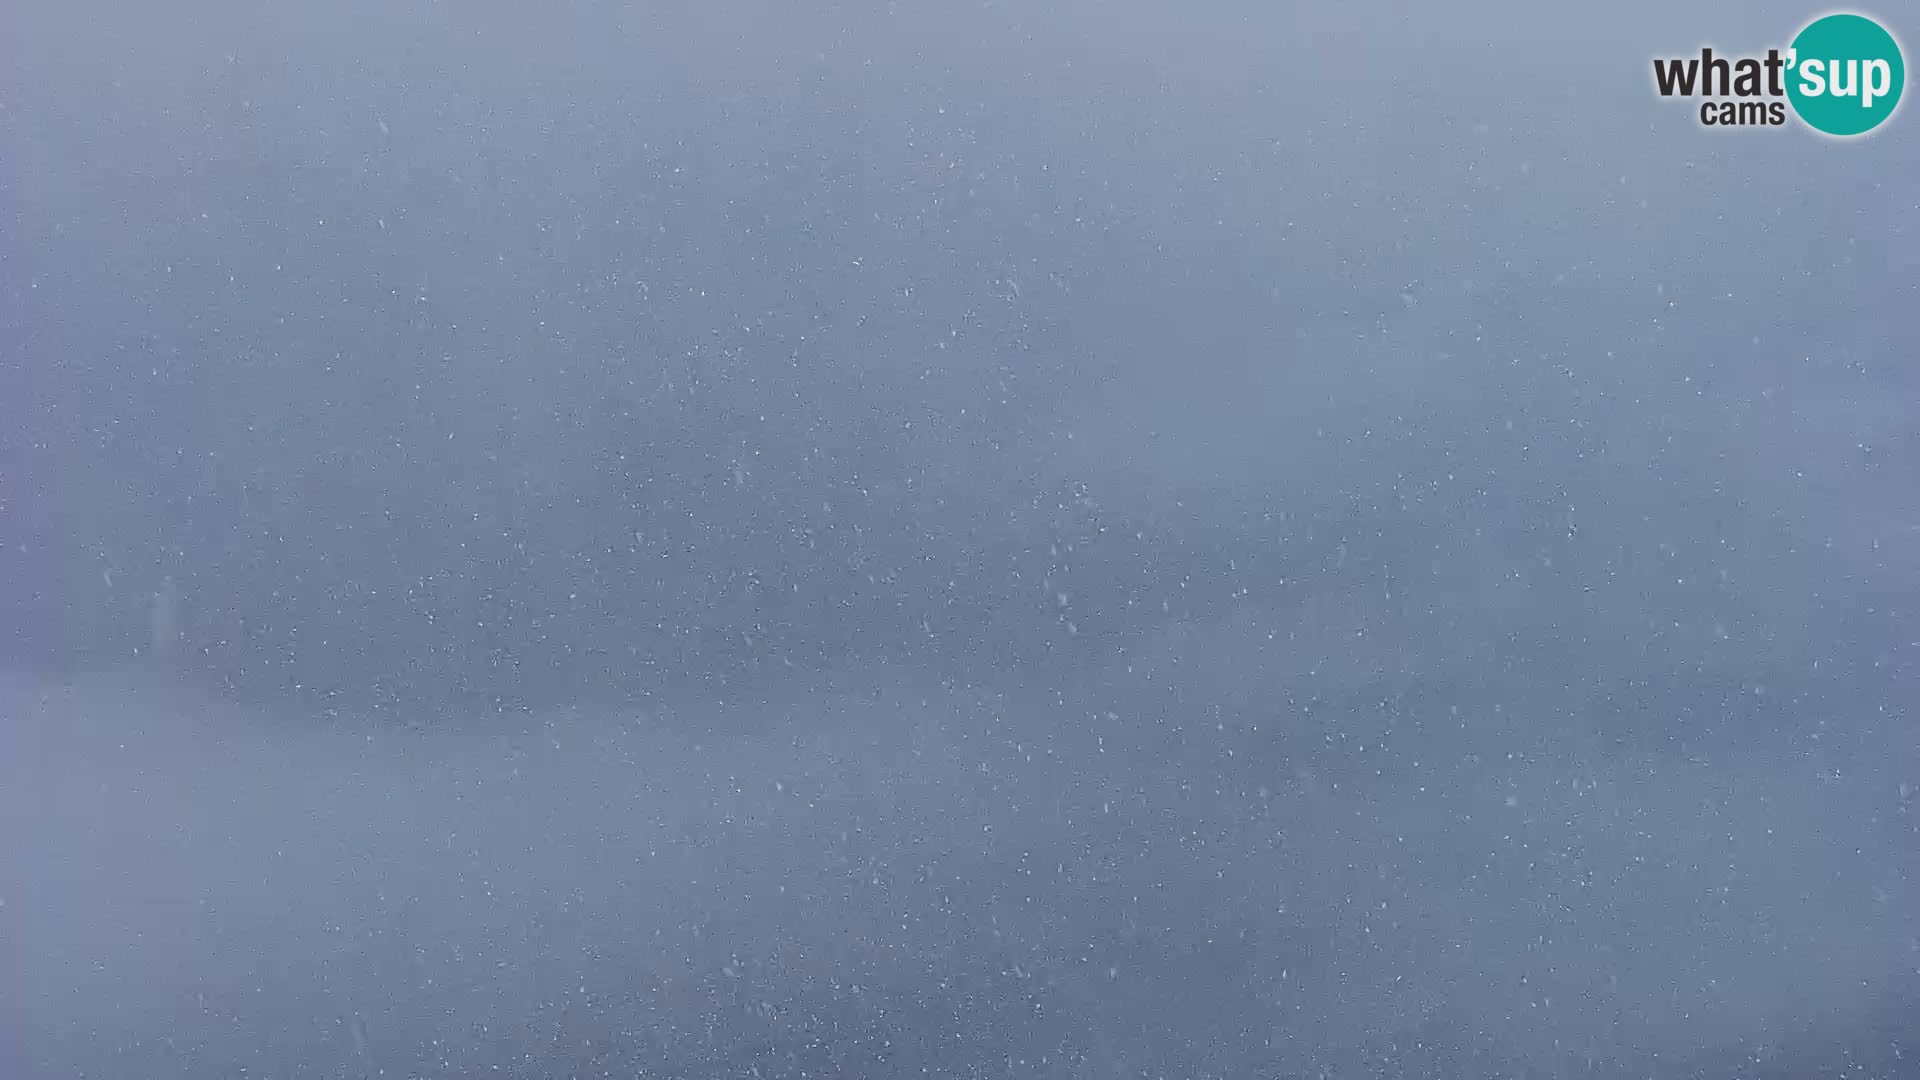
(983, 540)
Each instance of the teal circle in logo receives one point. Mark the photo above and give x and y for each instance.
(1846, 75)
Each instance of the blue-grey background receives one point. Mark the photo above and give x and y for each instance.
(1059, 539)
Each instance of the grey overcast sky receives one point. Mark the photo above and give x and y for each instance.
(981, 539)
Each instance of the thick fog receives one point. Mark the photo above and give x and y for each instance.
(992, 540)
